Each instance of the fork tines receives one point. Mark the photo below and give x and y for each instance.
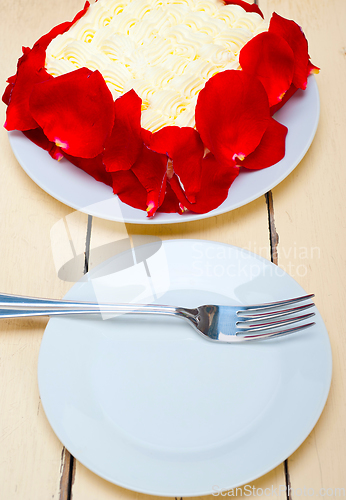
(279, 333)
(260, 321)
(280, 303)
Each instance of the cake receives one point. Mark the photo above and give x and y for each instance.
(164, 100)
(164, 50)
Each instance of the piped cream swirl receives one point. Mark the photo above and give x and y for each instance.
(165, 50)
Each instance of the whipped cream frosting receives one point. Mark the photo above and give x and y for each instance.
(165, 50)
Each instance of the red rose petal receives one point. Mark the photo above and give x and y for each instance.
(171, 203)
(151, 171)
(270, 150)
(146, 135)
(215, 183)
(129, 189)
(290, 92)
(185, 148)
(125, 142)
(232, 114)
(269, 57)
(248, 7)
(93, 167)
(294, 36)
(37, 137)
(75, 111)
(8, 90)
(30, 70)
(312, 69)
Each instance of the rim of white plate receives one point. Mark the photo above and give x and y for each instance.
(183, 245)
(73, 187)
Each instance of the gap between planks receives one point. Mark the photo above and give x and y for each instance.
(273, 234)
(274, 242)
(67, 473)
(68, 462)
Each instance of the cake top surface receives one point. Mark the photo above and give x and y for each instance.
(165, 50)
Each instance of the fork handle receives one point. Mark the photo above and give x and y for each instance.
(27, 313)
(17, 306)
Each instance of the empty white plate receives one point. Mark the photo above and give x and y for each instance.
(148, 404)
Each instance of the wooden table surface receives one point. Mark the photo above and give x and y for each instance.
(306, 211)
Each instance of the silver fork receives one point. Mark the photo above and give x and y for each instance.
(213, 322)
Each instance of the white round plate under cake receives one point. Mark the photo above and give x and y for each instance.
(148, 404)
(75, 188)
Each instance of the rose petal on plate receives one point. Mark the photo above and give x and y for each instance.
(312, 69)
(290, 92)
(93, 167)
(8, 90)
(248, 7)
(216, 180)
(75, 111)
(129, 189)
(146, 135)
(151, 171)
(294, 36)
(37, 137)
(269, 57)
(124, 145)
(232, 114)
(30, 70)
(270, 150)
(171, 203)
(186, 149)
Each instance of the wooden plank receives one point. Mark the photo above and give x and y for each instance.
(31, 459)
(246, 227)
(30, 454)
(309, 208)
(91, 487)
